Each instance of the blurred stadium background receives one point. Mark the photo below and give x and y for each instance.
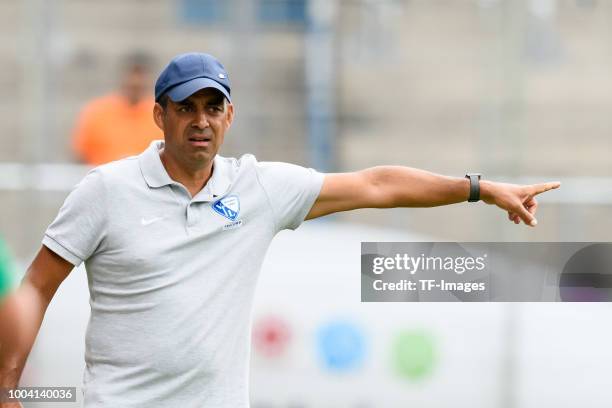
(519, 90)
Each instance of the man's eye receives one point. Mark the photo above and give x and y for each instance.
(184, 109)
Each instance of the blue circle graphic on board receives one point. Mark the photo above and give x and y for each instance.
(341, 346)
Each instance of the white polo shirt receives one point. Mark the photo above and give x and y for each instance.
(171, 277)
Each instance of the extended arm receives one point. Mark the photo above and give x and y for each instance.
(22, 312)
(397, 186)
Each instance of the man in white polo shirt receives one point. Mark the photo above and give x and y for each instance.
(173, 241)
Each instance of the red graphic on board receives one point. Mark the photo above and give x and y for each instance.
(271, 336)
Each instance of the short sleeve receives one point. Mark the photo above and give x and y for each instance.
(79, 227)
(291, 190)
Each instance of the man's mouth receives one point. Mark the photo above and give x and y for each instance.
(200, 141)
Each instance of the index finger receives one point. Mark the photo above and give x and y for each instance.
(543, 187)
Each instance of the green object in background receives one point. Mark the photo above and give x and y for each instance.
(6, 270)
(413, 354)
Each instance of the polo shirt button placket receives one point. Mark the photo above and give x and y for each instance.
(192, 216)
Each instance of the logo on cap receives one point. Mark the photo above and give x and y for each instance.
(222, 76)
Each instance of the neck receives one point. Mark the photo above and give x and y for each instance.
(193, 178)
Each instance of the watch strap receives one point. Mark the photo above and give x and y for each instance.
(474, 186)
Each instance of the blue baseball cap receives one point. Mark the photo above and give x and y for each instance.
(188, 73)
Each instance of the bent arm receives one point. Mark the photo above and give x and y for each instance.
(22, 312)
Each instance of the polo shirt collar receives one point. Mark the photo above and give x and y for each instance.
(156, 176)
(152, 168)
(221, 179)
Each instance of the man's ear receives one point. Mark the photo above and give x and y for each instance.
(230, 114)
(158, 116)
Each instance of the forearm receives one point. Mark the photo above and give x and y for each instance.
(398, 186)
(21, 315)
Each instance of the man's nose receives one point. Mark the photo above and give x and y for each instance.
(200, 121)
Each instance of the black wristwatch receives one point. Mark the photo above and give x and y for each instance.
(474, 186)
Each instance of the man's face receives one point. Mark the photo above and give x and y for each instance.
(135, 84)
(195, 127)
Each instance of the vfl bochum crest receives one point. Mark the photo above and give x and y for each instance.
(228, 206)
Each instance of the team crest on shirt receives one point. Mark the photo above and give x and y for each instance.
(228, 206)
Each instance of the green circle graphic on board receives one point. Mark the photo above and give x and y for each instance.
(6, 270)
(413, 354)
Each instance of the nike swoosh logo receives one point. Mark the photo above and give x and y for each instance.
(150, 221)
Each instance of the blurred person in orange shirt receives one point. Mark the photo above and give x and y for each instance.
(119, 124)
